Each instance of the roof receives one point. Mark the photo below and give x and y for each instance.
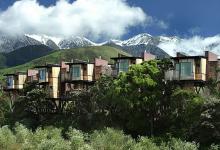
(48, 66)
(79, 81)
(188, 57)
(78, 63)
(15, 74)
(126, 57)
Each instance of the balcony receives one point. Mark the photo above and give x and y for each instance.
(200, 76)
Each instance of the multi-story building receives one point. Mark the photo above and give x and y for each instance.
(122, 63)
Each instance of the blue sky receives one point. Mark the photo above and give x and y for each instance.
(183, 18)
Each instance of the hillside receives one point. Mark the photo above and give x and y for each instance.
(2, 61)
(26, 54)
(88, 53)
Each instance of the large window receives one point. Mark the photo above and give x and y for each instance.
(76, 71)
(123, 65)
(186, 69)
(42, 74)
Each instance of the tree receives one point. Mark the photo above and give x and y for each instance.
(143, 93)
(185, 111)
(207, 131)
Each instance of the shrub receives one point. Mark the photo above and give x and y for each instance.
(110, 139)
(7, 138)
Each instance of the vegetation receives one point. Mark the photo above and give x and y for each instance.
(148, 112)
(107, 139)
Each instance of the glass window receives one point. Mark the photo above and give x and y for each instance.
(177, 67)
(123, 65)
(42, 74)
(186, 69)
(76, 71)
(10, 81)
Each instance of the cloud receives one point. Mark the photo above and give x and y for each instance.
(161, 24)
(194, 30)
(90, 18)
(195, 45)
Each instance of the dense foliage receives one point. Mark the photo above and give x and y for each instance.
(20, 138)
(140, 103)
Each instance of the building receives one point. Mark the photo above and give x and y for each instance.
(49, 79)
(193, 71)
(15, 83)
(80, 75)
(122, 63)
(32, 75)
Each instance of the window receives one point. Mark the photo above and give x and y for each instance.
(10, 81)
(123, 65)
(76, 71)
(186, 68)
(42, 74)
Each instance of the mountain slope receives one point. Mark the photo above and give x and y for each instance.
(88, 53)
(75, 42)
(51, 42)
(26, 54)
(2, 61)
(138, 44)
(11, 43)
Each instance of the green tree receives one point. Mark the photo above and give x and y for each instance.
(207, 131)
(185, 111)
(144, 94)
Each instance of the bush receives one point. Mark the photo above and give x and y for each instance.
(111, 139)
(7, 138)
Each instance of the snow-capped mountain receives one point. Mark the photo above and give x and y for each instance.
(75, 42)
(161, 46)
(10, 43)
(51, 42)
(139, 39)
(138, 44)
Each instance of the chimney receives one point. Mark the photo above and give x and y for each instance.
(178, 54)
(211, 56)
(147, 56)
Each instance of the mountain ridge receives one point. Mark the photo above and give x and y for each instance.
(161, 46)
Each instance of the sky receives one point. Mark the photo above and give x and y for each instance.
(107, 19)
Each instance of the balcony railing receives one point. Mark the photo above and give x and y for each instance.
(68, 77)
(175, 75)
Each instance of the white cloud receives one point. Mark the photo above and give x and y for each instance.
(90, 18)
(192, 46)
